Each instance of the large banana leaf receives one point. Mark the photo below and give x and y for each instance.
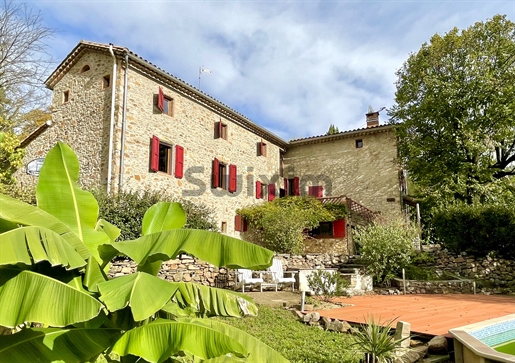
(27, 296)
(111, 230)
(30, 245)
(144, 293)
(163, 216)
(209, 301)
(93, 275)
(259, 351)
(18, 212)
(58, 194)
(161, 339)
(55, 345)
(215, 248)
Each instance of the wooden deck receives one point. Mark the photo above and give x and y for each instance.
(429, 315)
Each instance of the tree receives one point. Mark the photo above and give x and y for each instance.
(52, 272)
(455, 112)
(332, 130)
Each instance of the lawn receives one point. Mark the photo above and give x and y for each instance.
(297, 342)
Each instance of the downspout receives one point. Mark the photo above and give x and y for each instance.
(111, 125)
(124, 122)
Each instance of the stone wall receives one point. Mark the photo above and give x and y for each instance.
(368, 174)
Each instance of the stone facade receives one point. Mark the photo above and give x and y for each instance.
(82, 114)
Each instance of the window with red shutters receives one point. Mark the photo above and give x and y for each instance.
(296, 186)
(160, 156)
(262, 148)
(316, 191)
(271, 192)
(179, 161)
(240, 224)
(339, 228)
(220, 130)
(233, 180)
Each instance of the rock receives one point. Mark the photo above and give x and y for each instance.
(406, 355)
(338, 326)
(311, 317)
(415, 343)
(326, 320)
(438, 345)
(298, 314)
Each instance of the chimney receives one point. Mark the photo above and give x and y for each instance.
(372, 119)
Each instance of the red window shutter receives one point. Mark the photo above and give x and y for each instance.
(216, 170)
(233, 181)
(262, 148)
(258, 190)
(154, 154)
(238, 223)
(271, 192)
(296, 186)
(161, 100)
(316, 191)
(286, 186)
(179, 161)
(339, 228)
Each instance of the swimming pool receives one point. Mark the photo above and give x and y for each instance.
(487, 341)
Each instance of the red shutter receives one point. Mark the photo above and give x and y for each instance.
(296, 186)
(262, 148)
(316, 191)
(286, 192)
(154, 154)
(216, 170)
(258, 190)
(271, 192)
(161, 100)
(179, 161)
(339, 228)
(219, 127)
(237, 223)
(233, 181)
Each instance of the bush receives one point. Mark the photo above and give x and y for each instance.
(386, 248)
(126, 210)
(327, 284)
(477, 229)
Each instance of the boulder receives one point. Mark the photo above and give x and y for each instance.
(338, 326)
(438, 345)
(311, 317)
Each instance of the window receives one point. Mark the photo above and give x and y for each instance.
(262, 148)
(224, 176)
(261, 190)
(164, 103)
(223, 229)
(85, 69)
(66, 96)
(220, 130)
(240, 224)
(334, 229)
(359, 143)
(292, 186)
(106, 81)
(316, 191)
(160, 156)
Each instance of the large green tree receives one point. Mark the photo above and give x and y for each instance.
(455, 110)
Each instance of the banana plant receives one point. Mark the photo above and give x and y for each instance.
(61, 306)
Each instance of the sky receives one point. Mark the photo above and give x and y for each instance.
(292, 67)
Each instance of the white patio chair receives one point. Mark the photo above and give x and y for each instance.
(244, 278)
(278, 277)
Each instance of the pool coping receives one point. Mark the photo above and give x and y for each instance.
(462, 334)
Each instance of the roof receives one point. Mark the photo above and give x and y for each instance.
(341, 135)
(34, 134)
(165, 78)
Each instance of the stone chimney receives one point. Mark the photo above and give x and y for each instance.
(372, 119)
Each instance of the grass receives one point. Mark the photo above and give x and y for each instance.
(299, 343)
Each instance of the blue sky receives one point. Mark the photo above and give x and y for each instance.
(294, 67)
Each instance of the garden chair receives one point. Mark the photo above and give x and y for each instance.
(278, 277)
(244, 278)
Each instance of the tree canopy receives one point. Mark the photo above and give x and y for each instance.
(332, 130)
(455, 110)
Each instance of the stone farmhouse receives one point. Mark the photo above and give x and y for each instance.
(136, 127)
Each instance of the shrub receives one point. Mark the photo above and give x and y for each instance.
(126, 210)
(279, 224)
(386, 247)
(477, 229)
(327, 284)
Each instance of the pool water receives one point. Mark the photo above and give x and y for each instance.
(508, 348)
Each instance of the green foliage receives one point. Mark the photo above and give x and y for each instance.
(279, 224)
(327, 284)
(477, 229)
(375, 339)
(11, 157)
(52, 274)
(332, 130)
(299, 343)
(454, 108)
(126, 209)
(386, 247)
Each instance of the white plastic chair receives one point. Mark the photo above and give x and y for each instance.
(244, 277)
(278, 277)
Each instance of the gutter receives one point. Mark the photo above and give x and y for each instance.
(124, 122)
(111, 124)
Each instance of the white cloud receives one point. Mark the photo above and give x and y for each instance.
(292, 67)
